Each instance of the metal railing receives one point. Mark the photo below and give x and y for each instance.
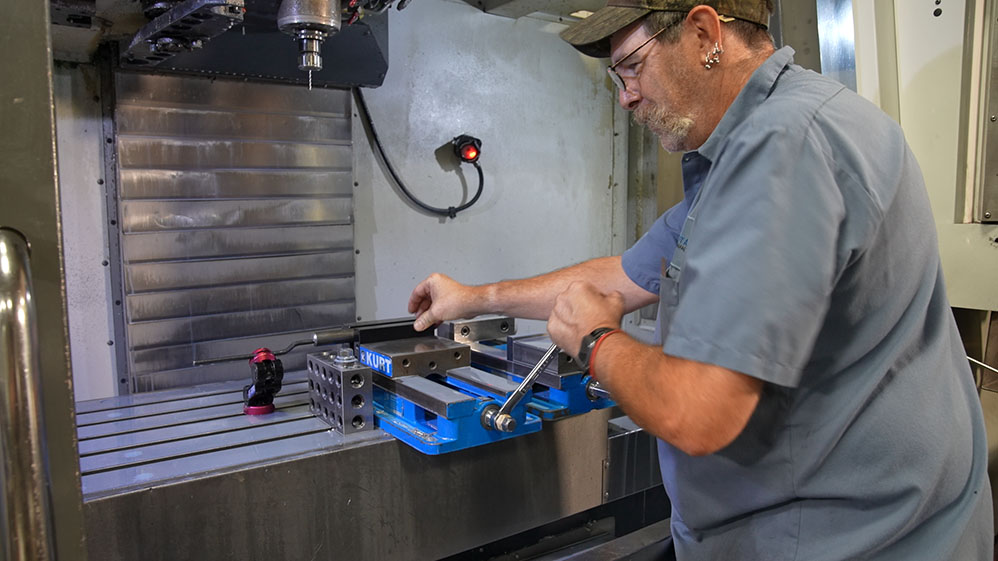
(25, 504)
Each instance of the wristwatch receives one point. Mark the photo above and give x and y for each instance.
(588, 342)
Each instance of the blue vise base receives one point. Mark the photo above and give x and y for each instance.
(443, 413)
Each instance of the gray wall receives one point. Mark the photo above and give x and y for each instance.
(546, 117)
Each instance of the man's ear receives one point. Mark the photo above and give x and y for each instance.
(707, 25)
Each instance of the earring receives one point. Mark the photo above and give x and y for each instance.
(713, 57)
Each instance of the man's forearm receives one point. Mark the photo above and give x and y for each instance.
(697, 407)
(533, 298)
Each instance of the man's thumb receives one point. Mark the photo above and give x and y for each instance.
(423, 321)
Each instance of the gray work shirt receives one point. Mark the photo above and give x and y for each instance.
(807, 258)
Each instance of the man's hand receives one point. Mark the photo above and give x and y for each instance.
(580, 309)
(440, 298)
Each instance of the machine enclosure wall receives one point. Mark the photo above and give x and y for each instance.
(551, 135)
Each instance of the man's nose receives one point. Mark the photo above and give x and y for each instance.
(629, 99)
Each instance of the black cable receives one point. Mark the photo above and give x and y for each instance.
(449, 211)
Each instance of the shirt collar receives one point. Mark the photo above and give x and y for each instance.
(756, 91)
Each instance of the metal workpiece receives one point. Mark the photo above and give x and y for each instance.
(478, 329)
(418, 356)
(528, 349)
(26, 524)
(341, 391)
(184, 27)
(495, 359)
(502, 419)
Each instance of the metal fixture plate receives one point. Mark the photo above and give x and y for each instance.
(478, 329)
(416, 356)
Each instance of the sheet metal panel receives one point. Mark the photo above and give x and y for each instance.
(149, 216)
(236, 242)
(148, 277)
(236, 96)
(236, 219)
(211, 123)
(168, 153)
(215, 300)
(232, 184)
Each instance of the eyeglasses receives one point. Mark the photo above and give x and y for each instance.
(612, 69)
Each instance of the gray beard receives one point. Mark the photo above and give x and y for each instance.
(672, 130)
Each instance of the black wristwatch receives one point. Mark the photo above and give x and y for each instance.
(588, 342)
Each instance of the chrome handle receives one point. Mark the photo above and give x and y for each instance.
(25, 505)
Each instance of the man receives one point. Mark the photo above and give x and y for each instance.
(811, 393)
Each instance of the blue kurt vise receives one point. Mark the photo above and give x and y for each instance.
(473, 384)
(427, 395)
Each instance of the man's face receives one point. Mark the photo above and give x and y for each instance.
(660, 87)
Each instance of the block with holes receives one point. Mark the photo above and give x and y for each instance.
(340, 391)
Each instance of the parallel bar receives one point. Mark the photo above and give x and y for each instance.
(182, 432)
(185, 417)
(199, 445)
(429, 395)
(485, 381)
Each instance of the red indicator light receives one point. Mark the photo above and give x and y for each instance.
(468, 148)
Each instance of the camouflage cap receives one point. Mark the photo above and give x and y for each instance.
(591, 36)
